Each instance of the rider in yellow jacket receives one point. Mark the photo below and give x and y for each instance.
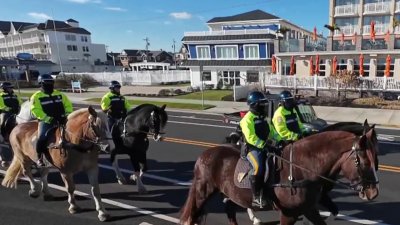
(286, 120)
(114, 104)
(257, 133)
(10, 104)
(51, 108)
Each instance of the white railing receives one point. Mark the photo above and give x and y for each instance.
(347, 30)
(379, 7)
(329, 83)
(398, 6)
(346, 10)
(141, 77)
(228, 32)
(379, 28)
(32, 40)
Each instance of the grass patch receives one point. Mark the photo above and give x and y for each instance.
(169, 104)
(212, 95)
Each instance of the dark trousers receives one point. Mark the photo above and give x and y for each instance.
(257, 160)
(43, 135)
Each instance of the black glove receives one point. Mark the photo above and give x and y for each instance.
(62, 120)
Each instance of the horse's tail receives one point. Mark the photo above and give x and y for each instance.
(200, 191)
(12, 174)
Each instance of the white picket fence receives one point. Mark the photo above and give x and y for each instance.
(140, 77)
(388, 84)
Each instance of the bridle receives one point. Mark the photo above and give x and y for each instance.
(364, 182)
(154, 127)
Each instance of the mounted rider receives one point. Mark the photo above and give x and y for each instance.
(258, 135)
(51, 108)
(10, 105)
(286, 120)
(114, 104)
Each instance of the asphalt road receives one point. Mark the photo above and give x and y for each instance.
(170, 171)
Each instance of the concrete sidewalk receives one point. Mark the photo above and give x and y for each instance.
(382, 117)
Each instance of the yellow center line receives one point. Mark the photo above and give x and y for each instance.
(210, 145)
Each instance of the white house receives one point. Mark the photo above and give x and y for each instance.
(66, 45)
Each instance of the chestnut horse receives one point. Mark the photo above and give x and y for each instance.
(87, 130)
(321, 155)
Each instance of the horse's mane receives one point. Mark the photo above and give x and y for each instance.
(77, 113)
(150, 108)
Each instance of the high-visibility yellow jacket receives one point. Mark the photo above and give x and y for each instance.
(46, 107)
(287, 124)
(257, 130)
(10, 102)
(115, 105)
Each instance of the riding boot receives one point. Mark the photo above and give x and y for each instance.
(256, 187)
(40, 149)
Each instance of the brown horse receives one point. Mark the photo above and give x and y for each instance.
(86, 129)
(312, 159)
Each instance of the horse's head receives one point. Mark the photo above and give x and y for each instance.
(98, 130)
(361, 169)
(157, 121)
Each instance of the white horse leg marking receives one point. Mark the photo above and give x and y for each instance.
(120, 178)
(137, 177)
(47, 196)
(93, 175)
(70, 186)
(34, 192)
(253, 217)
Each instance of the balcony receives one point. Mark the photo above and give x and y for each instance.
(228, 32)
(346, 10)
(32, 40)
(379, 28)
(347, 30)
(398, 7)
(377, 8)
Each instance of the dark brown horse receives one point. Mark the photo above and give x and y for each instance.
(339, 152)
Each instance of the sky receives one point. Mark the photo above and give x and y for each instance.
(124, 24)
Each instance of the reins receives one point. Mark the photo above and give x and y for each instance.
(292, 164)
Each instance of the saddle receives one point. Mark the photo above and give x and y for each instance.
(52, 143)
(243, 167)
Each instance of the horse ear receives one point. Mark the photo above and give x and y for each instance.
(363, 142)
(366, 123)
(373, 126)
(163, 107)
(92, 111)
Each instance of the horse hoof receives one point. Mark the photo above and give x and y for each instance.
(74, 210)
(104, 217)
(34, 194)
(121, 181)
(48, 197)
(142, 191)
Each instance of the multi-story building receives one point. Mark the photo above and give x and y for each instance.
(129, 56)
(65, 44)
(368, 29)
(237, 49)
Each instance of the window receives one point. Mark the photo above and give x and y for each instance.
(206, 76)
(252, 76)
(231, 77)
(370, 45)
(85, 48)
(397, 43)
(72, 48)
(70, 37)
(203, 52)
(322, 68)
(251, 52)
(84, 39)
(227, 52)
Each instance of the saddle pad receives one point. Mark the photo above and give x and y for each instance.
(241, 178)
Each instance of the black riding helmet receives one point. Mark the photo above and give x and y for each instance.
(114, 84)
(6, 85)
(257, 102)
(45, 79)
(287, 100)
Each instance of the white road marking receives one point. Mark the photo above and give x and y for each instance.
(196, 118)
(354, 219)
(114, 203)
(144, 223)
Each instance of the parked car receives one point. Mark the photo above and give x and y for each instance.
(304, 109)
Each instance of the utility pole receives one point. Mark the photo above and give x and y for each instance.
(147, 40)
(173, 47)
